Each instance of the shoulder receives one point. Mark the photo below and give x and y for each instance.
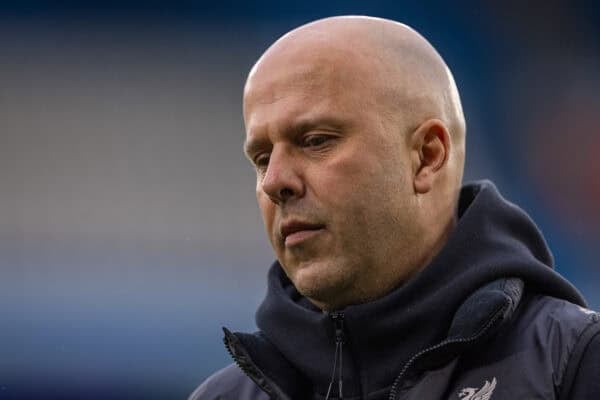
(539, 352)
(556, 317)
(565, 334)
(229, 383)
(547, 330)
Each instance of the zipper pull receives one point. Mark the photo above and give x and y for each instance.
(338, 320)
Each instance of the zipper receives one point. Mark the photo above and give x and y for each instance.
(244, 362)
(338, 320)
(477, 336)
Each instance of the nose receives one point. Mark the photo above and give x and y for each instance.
(282, 180)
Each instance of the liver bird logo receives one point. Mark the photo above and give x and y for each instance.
(485, 393)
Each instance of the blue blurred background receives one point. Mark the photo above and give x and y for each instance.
(128, 224)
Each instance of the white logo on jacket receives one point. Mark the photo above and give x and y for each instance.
(485, 393)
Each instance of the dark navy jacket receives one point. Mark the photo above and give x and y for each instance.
(489, 318)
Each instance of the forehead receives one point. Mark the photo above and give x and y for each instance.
(302, 68)
(300, 80)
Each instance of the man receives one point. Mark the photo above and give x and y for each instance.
(391, 281)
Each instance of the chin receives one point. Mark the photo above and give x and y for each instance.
(319, 282)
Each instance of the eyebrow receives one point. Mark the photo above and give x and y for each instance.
(253, 146)
(302, 125)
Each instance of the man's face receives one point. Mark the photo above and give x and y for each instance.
(333, 175)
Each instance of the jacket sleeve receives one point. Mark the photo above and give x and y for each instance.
(586, 376)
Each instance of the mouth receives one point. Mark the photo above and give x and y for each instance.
(295, 232)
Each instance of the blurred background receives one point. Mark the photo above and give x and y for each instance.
(128, 224)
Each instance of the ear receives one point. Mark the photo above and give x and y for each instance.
(431, 148)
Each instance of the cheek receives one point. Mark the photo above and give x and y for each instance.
(348, 190)
(363, 192)
(267, 211)
(349, 179)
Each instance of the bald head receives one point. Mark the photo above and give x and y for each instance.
(412, 81)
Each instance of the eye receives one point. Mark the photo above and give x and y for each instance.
(315, 140)
(261, 161)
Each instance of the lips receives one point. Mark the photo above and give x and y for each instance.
(294, 232)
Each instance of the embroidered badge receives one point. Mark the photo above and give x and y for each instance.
(485, 393)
